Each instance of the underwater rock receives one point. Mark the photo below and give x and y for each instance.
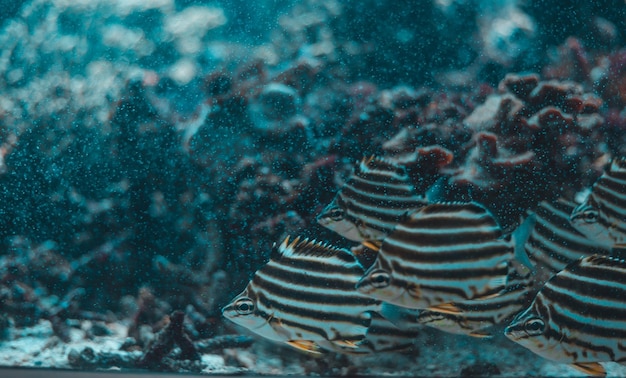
(148, 158)
(507, 35)
(276, 102)
(534, 129)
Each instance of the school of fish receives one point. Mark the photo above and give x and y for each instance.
(557, 280)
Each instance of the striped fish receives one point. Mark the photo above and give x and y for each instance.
(554, 243)
(602, 217)
(305, 297)
(385, 336)
(477, 316)
(579, 316)
(373, 200)
(442, 253)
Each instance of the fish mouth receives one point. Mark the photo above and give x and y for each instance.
(324, 221)
(346, 229)
(360, 286)
(512, 334)
(408, 299)
(386, 295)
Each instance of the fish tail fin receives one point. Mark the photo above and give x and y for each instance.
(520, 235)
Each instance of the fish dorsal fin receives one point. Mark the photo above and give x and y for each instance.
(382, 167)
(283, 249)
(302, 248)
(593, 369)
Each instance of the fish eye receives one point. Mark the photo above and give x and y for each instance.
(590, 216)
(244, 306)
(379, 279)
(336, 214)
(534, 327)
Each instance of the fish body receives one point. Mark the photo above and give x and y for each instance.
(579, 316)
(385, 336)
(373, 200)
(442, 253)
(554, 243)
(602, 216)
(305, 297)
(476, 317)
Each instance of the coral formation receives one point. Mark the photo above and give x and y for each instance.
(152, 152)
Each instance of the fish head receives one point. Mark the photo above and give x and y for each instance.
(531, 330)
(378, 283)
(334, 218)
(585, 219)
(243, 310)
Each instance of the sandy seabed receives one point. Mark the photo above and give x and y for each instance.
(450, 356)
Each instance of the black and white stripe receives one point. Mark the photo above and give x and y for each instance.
(442, 253)
(477, 316)
(373, 200)
(384, 336)
(554, 243)
(306, 292)
(579, 316)
(602, 217)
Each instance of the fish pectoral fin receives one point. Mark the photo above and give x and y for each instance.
(446, 308)
(590, 368)
(305, 345)
(414, 291)
(480, 335)
(499, 282)
(277, 325)
(361, 228)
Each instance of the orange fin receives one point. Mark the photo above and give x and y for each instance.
(367, 160)
(480, 335)
(374, 245)
(446, 308)
(593, 369)
(346, 344)
(305, 346)
(487, 297)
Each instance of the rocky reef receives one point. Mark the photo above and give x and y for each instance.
(152, 152)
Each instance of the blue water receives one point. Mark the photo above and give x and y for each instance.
(168, 144)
